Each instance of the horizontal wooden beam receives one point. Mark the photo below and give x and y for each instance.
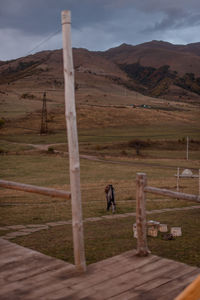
(35, 189)
(172, 194)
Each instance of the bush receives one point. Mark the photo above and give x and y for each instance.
(138, 145)
(2, 122)
(124, 153)
(51, 150)
(2, 151)
(27, 96)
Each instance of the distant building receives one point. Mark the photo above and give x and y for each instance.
(145, 106)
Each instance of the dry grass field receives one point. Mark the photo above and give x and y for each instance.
(107, 238)
(120, 141)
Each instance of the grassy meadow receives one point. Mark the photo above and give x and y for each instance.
(107, 238)
(124, 141)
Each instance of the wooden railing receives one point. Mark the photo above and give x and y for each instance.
(35, 189)
(172, 194)
(141, 190)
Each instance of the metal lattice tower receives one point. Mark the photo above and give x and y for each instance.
(43, 128)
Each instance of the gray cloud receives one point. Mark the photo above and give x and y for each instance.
(96, 24)
(42, 16)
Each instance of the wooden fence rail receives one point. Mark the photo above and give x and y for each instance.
(172, 194)
(35, 189)
(141, 190)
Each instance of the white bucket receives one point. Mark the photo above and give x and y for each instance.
(176, 231)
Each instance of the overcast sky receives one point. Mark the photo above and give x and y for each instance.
(96, 24)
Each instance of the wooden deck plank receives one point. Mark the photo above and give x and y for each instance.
(171, 289)
(35, 268)
(156, 282)
(97, 275)
(25, 269)
(125, 281)
(47, 291)
(113, 273)
(105, 275)
(28, 275)
(35, 285)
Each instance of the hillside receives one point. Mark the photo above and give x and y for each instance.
(156, 69)
(181, 58)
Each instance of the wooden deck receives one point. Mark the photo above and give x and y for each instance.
(26, 274)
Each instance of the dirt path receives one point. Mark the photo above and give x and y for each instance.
(109, 161)
(42, 147)
(22, 230)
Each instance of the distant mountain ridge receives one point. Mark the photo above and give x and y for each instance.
(180, 58)
(156, 68)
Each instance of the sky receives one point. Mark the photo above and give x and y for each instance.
(29, 26)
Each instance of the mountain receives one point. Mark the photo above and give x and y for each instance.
(180, 58)
(156, 69)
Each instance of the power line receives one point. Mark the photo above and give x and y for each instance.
(51, 35)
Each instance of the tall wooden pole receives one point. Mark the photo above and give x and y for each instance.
(70, 113)
(141, 182)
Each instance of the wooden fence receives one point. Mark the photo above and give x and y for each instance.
(178, 176)
(35, 189)
(141, 189)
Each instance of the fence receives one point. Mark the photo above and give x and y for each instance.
(141, 189)
(35, 189)
(186, 174)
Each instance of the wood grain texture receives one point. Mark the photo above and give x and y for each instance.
(28, 275)
(73, 147)
(172, 194)
(141, 182)
(35, 189)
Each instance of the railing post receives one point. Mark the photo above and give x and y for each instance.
(141, 182)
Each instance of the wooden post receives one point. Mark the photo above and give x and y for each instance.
(70, 113)
(142, 248)
(187, 151)
(177, 179)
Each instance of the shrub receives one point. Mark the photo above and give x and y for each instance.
(2, 151)
(2, 122)
(124, 153)
(138, 145)
(27, 96)
(50, 150)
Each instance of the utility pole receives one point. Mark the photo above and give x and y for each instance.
(74, 161)
(43, 128)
